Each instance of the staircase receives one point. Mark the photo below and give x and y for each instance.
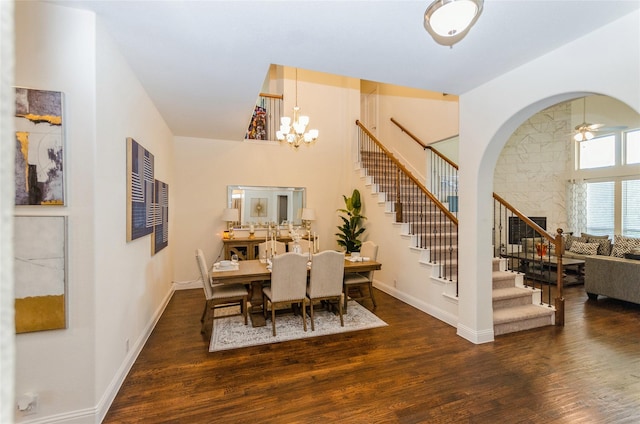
(515, 307)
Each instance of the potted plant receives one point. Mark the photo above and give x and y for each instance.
(351, 227)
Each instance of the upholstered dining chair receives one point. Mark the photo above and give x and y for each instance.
(220, 295)
(288, 285)
(354, 282)
(304, 246)
(262, 248)
(325, 281)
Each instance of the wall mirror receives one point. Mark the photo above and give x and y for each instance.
(263, 205)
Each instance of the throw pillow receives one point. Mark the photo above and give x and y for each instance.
(622, 245)
(592, 236)
(584, 248)
(570, 239)
(604, 245)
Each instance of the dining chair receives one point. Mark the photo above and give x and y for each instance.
(326, 280)
(288, 285)
(262, 248)
(220, 295)
(304, 246)
(354, 282)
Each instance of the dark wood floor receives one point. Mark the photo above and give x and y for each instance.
(416, 370)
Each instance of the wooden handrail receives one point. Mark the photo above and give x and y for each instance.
(526, 219)
(272, 96)
(409, 133)
(409, 175)
(425, 146)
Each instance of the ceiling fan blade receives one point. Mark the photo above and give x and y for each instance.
(612, 129)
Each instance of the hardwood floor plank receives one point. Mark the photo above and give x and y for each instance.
(415, 370)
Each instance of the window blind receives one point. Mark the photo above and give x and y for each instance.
(600, 208)
(631, 208)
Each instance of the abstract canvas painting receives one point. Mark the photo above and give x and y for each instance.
(39, 147)
(40, 269)
(160, 238)
(140, 185)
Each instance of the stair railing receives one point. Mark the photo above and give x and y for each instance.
(541, 257)
(443, 173)
(266, 117)
(432, 226)
(531, 250)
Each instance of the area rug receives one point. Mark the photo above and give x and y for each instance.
(231, 333)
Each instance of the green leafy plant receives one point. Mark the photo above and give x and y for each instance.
(351, 228)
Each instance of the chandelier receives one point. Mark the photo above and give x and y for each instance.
(448, 21)
(294, 130)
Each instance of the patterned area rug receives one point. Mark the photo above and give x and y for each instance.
(231, 333)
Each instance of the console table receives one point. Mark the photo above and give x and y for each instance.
(247, 248)
(545, 269)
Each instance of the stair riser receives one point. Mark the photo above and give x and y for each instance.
(527, 324)
(508, 303)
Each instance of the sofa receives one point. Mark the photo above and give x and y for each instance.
(618, 278)
(611, 269)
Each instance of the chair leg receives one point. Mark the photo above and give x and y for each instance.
(373, 299)
(244, 309)
(345, 291)
(204, 315)
(304, 314)
(273, 319)
(313, 328)
(340, 309)
(264, 306)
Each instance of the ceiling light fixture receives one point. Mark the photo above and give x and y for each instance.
(448, 21)
(294, 130)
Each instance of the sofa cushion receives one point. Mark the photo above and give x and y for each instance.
(569, 239)
(604, 245)
(584, 248)
(593, 236)
(622, 245)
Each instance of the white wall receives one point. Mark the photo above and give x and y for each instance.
(490, 113)
(131, 286)
(55, 50)
(427, 115)
(115, 289)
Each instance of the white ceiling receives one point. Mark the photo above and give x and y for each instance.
(203, 63)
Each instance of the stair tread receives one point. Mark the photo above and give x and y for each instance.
(510, 293)
(520, 313)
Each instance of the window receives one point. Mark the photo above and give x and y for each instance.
(630, 208)
(632, 147)
(600, 208)
(598, 152)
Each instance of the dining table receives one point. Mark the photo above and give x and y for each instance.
(256, 273)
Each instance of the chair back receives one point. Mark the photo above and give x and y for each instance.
(304, 246)
(288, 277)
(262, 248)
(327, 274)
(369, 250)
(204, 274)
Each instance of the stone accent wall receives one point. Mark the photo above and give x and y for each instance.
(532, 171)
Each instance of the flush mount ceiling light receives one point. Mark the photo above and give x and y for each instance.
(448, 21)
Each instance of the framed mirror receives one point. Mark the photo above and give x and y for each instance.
(261, 205)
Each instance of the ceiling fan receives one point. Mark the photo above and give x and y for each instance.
(586, 131)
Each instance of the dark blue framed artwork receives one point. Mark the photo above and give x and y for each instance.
(140, 186)
(160, 238)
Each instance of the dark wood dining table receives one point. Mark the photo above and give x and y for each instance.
(255, 273)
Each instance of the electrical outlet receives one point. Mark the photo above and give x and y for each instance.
(126, 344)
(27, 404)
(395, 283)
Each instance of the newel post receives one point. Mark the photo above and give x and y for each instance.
(559, 242)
